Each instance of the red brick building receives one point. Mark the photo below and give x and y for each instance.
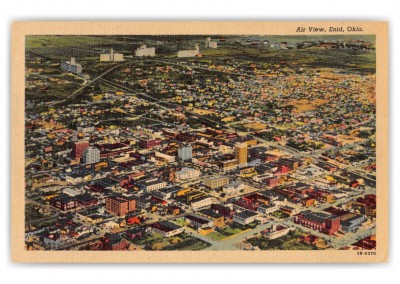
(149, 143)
(112, 149)
(318, 221)
(86, 200)
(135, 233)
(96, 188)
(186, 137)
(114, 242)
(368, 243)
(272, 182)
(64, 203)
(226, 211)
(291, 163)
(120, 205)
(78, 148)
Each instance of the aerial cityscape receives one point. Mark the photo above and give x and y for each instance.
(196, 142)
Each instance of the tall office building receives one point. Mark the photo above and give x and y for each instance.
(185, 153)
(78, 148)
(91, 155)
(120, 206)
(241, 154)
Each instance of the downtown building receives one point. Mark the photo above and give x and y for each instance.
(151, 184)
(149, 143)
(216, 182)
(120, 206)
(187, 173)
(241, 154)
(78, 148)
(318, 221)
(185, 153)
(91, 155)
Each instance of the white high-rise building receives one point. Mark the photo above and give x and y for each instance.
(91, 155)
(185, 153)
(144, 51)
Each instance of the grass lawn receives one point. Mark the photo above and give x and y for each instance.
(216, 236)
(180, 222)
(32, 213)
(289, 242)
(179, 242)
(193, 244)
(225, 232)
(216, 52)
(38, 41)
(296, 245)
(149, 239)
(279, 215)
(232, 230)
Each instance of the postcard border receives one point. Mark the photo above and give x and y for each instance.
(21, 29)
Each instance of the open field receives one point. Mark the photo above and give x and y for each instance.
(39, 41)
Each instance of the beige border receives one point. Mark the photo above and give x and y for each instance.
(20, 29)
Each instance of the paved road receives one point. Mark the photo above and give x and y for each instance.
(336, 242)
(45, 206)
(158, 102)
(232, 243)
(73, 94)
(229, 243)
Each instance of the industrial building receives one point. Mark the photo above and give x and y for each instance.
(190, 52)
(211, 44)
(71, 66)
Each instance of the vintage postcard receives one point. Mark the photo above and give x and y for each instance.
(199, 142)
